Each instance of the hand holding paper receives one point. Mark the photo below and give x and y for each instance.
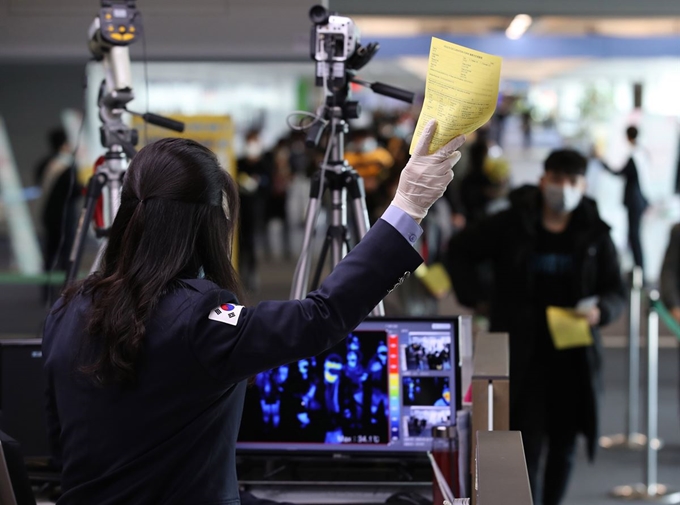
(426, 176)
(461, 92)
(587, 307)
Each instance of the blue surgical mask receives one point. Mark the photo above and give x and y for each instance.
(369, 145)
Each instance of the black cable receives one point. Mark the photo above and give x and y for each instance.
(146, 76)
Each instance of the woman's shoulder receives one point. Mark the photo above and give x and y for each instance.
(199, 290)
(201, 286)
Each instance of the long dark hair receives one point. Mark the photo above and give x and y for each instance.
(177, 216)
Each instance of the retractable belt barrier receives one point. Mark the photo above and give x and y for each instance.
(631, 438)
(651, 489)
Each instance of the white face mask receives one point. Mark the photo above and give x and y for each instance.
(562, 199)
(253, 150)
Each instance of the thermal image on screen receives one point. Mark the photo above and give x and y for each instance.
(377, 390)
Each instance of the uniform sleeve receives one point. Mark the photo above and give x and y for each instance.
(277, 332)
(403, 223)
(670, 274)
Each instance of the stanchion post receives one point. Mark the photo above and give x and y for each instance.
(633, 418)
(652, 407)
(651, 490)
(631, 438)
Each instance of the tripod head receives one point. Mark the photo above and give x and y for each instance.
(116, 27)
(335, 46)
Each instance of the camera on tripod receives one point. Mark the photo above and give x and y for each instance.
(110, 35)
(117, 25)
(336, 48)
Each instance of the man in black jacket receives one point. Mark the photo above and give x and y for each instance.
(550, 248)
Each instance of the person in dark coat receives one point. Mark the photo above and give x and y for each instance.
(550, 248)
(147, 359)
(633, 198)
(254, 177)
(59, 204)
(669, 279)
(670, 274)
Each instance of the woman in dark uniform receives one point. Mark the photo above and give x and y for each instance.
(147, 359)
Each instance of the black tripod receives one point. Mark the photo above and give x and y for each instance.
(341, 180)
(120, 141)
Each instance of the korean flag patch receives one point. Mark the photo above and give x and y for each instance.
(227, 313)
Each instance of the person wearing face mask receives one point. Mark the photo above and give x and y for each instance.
(373, 163)
(550, 248)
(254, 177)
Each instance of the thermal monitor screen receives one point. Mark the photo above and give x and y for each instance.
(382, 389)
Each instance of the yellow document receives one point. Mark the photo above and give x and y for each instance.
(435, 279)
(568, 329)
(461, 91)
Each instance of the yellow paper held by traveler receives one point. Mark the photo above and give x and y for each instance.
(568, 329)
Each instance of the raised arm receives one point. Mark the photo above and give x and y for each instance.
(274, 333)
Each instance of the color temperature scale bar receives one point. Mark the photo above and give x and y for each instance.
(393, 367)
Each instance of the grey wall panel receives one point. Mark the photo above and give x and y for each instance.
(48, 30)
(510, 7)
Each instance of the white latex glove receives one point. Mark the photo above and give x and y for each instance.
(426, 176)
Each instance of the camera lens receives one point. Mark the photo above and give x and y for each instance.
(319, 15)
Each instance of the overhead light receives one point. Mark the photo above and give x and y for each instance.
(518, 26)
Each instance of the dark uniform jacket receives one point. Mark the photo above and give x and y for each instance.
(171, 438)
(508, 239)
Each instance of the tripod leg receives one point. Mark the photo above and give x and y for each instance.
(338, 222)
(301, 278)
(322, 259)
(334, 235)
(357, 194)
(355, 187)
(94, 191)
(100, 255)
(114, 186)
